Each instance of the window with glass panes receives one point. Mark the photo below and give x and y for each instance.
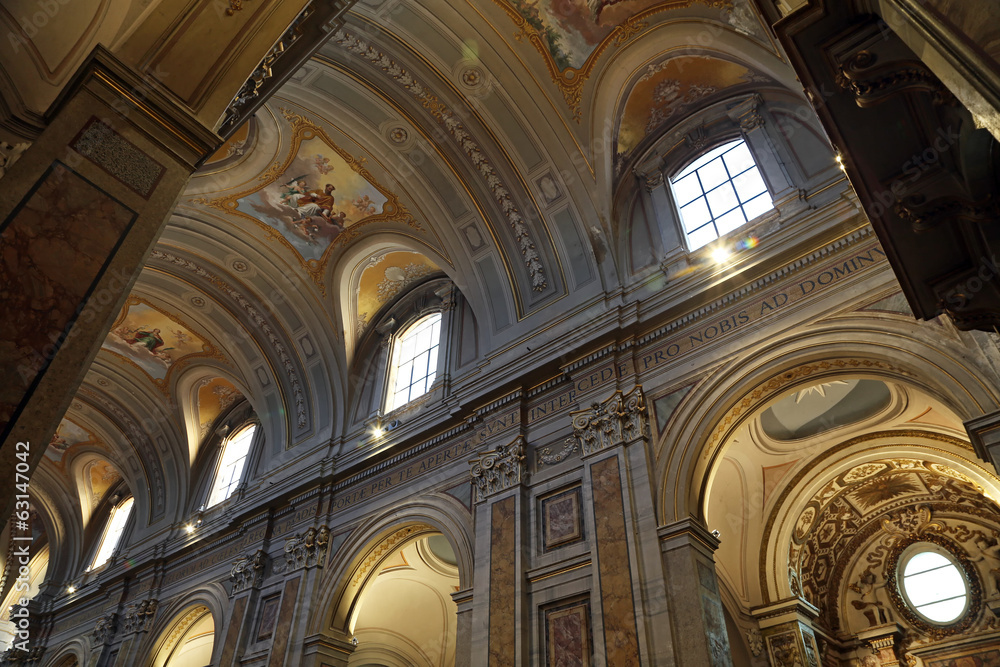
(934, 586)
(414, 361)
(718, 192)
(112, 533)
(231, 463)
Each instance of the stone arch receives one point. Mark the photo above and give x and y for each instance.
(897, 352)
(170, 621)
(348, 573)
(75, 649)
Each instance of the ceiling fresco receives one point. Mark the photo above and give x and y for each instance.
(669, 90)
(317, 198)
(102, 476)
(154, 341)
(215, 396)
(66, 436)
(384, 277)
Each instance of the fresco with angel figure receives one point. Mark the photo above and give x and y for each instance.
(314, 199)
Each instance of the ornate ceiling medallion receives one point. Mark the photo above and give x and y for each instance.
(571, 36)
(319, 198)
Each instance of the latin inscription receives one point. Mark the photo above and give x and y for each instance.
(388, 481)
(758, 309)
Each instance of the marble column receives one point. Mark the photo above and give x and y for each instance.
(614, 439)
(698, 624)
(500, 612)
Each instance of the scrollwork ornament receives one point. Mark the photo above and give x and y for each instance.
(498, 470)
(975, 586)
(621, 419)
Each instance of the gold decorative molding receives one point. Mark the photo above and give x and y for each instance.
(304, 130)
(769, 389)
(571, 80)
(208, 350)
(384, 547)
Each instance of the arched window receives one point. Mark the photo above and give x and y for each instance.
(234, 457)
(413, 363)
(113, 532)
(718, 192)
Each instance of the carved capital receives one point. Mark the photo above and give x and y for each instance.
(499, 470)
(307, 550)
(620, 420)
(248, 572)
(138, 616)
(105, 629)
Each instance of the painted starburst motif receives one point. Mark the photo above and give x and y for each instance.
(816, 389)
(884, 488)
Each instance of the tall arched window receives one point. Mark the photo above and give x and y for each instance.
(235, 449)
(413, 363)
(718, 192)
(113, 532)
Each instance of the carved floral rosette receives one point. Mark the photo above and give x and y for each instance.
(500, 469)
(620, 420)
(104, 630)
(139, 616)
(248, 572)
(308, 549)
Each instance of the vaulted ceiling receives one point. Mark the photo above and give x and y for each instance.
(479, 140)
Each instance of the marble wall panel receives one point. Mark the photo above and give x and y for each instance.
(503, 583)
(567, 635)
(280, 644)
(621, 640)
(562, 521)
(53, 248)
(233, 634)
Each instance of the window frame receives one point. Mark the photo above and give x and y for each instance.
(731, 143)
(94, 565)
(896, 562)
(392, 362)
(907, 556)
(234, 483)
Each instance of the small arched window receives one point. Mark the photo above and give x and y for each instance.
(235, 449)
(413, 363)
(719, 192)
(113, 532)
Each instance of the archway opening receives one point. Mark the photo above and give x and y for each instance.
(188, 641)
(824, 492)
(404, 615)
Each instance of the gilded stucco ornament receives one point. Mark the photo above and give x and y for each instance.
(255, 316)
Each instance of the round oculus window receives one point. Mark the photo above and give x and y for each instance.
(933, 584)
